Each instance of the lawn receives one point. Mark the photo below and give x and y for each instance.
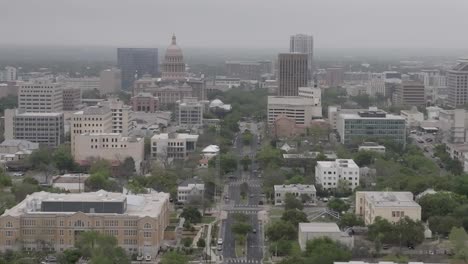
(208, 219)
(275, 212)
(240, 248)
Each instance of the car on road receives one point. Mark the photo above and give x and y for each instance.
(420, 140)
(428, 139)
(251, 195)
(18, 174)
(254, 231)
(148, 258)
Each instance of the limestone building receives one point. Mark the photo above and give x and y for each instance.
(40, 96)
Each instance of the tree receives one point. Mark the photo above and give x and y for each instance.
(269, 155)
(201, 243)
(459, 240)
(364, 158)
(439, 204)
(294, 217)
(247, 137)
(21, 190)
(127, 168)
(63, 159)
(70, 255)
(240, 228)
(5, 180)
(40, 158)
(338, 205)
(442, 225)
(350, 220)
(404, 232)
(174, 257)
(101, 248)
(192, 215)
(326, 251)
(228, 163)
(291, 202)
(281, 230)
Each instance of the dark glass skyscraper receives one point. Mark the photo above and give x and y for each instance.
(136, 62)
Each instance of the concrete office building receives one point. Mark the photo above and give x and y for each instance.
(109, 146)
(306, 193)
(40, 96)
(335, 110)
(452, 124)
(391, 206)
(413, 117)
(136, 62)
(370, 125)
(457, 83)
(190, 113)
(292, 73)
(8, 74)
(314, 230)
(71, 98)
(83, 83)
(301, 109)
(121, 116)
(54, 221)
(173, 67)
(44, 128)
(8, 89)
(145, 102)
(93, 119)
(411, 93)
(302, 43)
(330, 173)
(173, 145)
(110, 81)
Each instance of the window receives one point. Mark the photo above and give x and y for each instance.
(147, 234)
(79, 223)
(147, 226)
(8, 225)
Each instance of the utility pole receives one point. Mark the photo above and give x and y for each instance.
(218, 159)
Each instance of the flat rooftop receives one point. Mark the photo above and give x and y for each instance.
(391, 199)
(357, 116)
(318, 227)
(175, 136)
(290, 100)
(348, 163)
(295, 187)
(141, 205)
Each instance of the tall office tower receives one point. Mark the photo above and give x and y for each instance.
(136, 62)
(110, 81)
(304, 44)
(411, 93)
(173, 68)
(457, 83)
(293, 73)
(40, 96)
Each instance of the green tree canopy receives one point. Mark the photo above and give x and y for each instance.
(281, 230)
(192, 215)
(326, 251)
(294, 217)
(291, 202)
(338, 205)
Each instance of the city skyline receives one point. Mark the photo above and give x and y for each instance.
(334, 24)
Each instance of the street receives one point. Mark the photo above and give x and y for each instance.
(248, 206)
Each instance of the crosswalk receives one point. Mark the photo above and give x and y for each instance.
(243, 211)
(252, 184)
(242, 260)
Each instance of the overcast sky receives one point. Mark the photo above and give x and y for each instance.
(236, 23)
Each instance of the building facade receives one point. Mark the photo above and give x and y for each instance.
(108, 146)
(71, 98)
(314, 230)
(411, 93)
(54, 221)
(121, 116)
(306, 193)
(457, 84)
(145, 102)
(110, 81)
(40, 96)
(83, 83)
(248, 70)
(302, 43)
(44, 128)
(173, 67)
(136, 62)
(292, 73)
(190, 113)
(371, 125)
(391, 206)
(330, 174)
(190, 189)
(172, 145)
(334, 76)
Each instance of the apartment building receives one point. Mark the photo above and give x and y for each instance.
(173, 145)
(190, 112)
(306, 193)
(370, 125)
(391, 206)
(109, 146)
(43, 128)
(453, 125)
(40, 96)
(329, 174)
(54, 221)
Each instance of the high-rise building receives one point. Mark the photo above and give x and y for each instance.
(304, 44)
(44, 128)
(8, 75)
(40, 96)
(411, 93)
(173, 67)
(136, 62)
(110, 81)
(46, 221)
(292, 73)
(457, 83)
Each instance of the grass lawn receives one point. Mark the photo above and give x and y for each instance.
(208, 219)
(240, 248)
(275, 212)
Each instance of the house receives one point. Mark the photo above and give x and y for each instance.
(191, 188)
(16, 149)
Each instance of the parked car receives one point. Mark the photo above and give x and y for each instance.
(18, 174)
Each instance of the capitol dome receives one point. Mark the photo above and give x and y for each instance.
(173, 50)
(173, 67)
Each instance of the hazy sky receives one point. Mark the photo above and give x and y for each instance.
(236, 23)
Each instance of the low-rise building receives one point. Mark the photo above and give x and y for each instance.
(329, 174)
(44, 128)
(54, 221)
(301, 109)
(314, 230)
(190, 112)
(15, 149)
(210, 151)
(413, 117)
(306, 193)
(372, 146)
(173, 145)
(190, 189)
(370, 125)
(391, 206)
(108, 146)
(74, 183)
(145, 102)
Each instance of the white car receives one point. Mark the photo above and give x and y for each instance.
(148, 258)
(18, 174)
